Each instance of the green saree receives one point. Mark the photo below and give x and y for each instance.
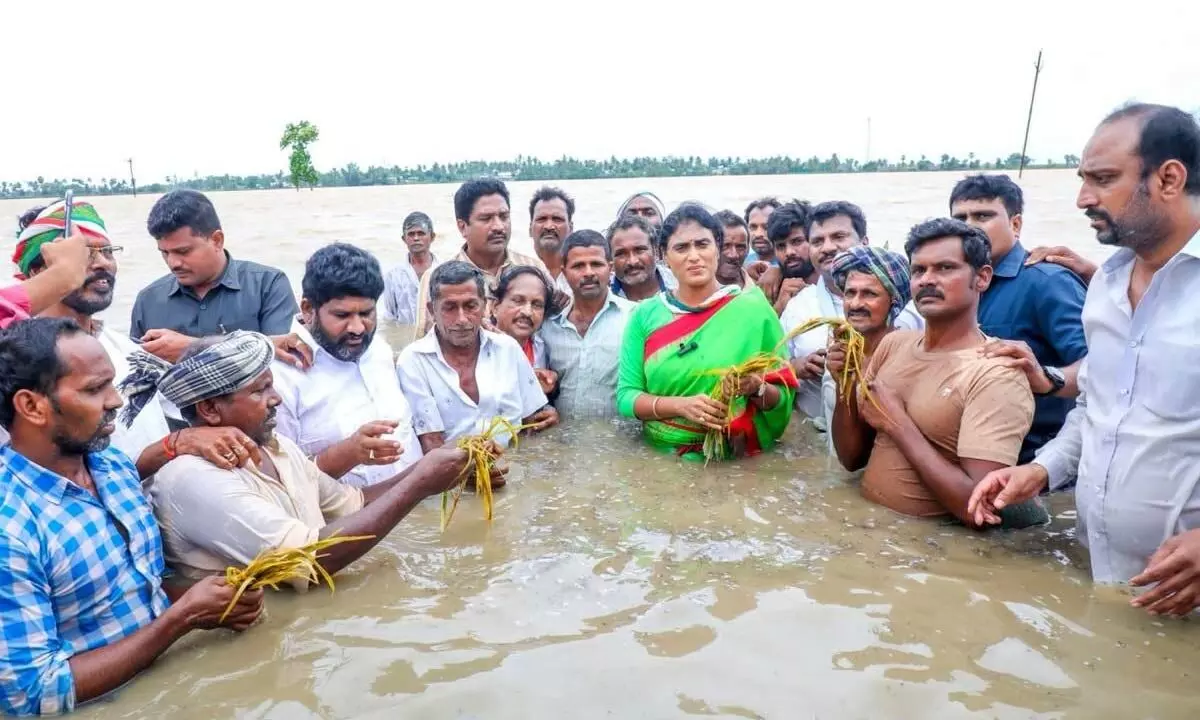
(670, 350)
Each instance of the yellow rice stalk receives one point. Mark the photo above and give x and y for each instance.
(726, 391)
(273, 567)
(480, 458)
(853, 373)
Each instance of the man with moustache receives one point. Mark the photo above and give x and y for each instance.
(402, 281)
(551, 212)
(734, 250)
(793, 270)
(207, 292)
(757, 217)
(1032, 311)
(875, 289)
(938, 416)
(1133, 439)
(481, 208)
(648, 206)
(636, 274)
(213, 518)
(145, 437)
(347, 411)
(831, 228)
(583, 342)
(83, 605)
(458, 377)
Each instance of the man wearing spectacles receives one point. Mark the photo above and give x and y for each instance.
(147, 438)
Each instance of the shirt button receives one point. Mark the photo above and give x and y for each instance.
(1125, 391)
(1133, 343)
(203, 306)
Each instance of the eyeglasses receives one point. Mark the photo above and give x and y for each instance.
(108, 252)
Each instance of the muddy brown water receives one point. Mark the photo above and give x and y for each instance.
(618, 583)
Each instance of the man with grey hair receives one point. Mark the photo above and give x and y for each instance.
(459, 376)
(402, 281)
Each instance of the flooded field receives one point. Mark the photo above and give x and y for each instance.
(618, 583)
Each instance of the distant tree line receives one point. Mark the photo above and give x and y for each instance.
(527, 168)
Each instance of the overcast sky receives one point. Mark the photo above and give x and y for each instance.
(207, 87)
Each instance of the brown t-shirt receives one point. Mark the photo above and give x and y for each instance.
(965, 405)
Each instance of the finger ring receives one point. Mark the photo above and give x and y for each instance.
(371, 454)
(229, 456)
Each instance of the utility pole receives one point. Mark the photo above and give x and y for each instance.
(868, 139)
(132, 181)
(1037, 70)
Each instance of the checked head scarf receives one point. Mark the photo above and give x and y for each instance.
(48, 226)
(891, 269)
(220, 369)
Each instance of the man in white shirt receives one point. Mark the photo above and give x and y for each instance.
(346, 411)
(832, 228)
(399, 302)
(1133, 439)
(458, 377)
(583, 342)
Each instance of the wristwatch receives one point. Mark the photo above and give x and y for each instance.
(1056, 378)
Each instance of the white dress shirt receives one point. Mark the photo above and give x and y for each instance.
(332, 399)
(400, 287)
(507, 387)
(1133, 439)
(816, 301)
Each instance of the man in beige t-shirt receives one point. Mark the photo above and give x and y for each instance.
(946, 415)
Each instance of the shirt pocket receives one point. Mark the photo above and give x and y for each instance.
(1168, 380)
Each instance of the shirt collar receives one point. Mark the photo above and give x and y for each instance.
(45, 483)
(618, 287)
(228, 278)
(613, 301)
(1124, 255)
(1011, 263)
(428, 343)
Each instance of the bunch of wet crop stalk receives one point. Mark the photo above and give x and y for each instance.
(716, 441)
(280, 565)
(481, 452)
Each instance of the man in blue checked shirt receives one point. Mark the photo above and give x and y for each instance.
(82, 603)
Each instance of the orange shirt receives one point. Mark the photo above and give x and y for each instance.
(965, 405)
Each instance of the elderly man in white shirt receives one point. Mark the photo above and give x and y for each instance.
(583, 342)
(832, 227)
(1133, 440)
(346, 411)
(458, 377)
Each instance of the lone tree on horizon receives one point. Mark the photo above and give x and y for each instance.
(298, 136)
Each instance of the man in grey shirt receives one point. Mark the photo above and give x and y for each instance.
(1133, 440)
(208, 292)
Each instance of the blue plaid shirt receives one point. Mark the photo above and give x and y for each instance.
(70, 582)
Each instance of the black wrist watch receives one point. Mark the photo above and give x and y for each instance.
(1056, 378)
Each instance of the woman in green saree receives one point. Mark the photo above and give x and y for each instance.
(677, 343)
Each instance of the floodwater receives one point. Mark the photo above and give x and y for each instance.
(618, 583)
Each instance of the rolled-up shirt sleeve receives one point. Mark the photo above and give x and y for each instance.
(35, 670)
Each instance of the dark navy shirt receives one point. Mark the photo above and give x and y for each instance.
(1041, 305)
(248, 296)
